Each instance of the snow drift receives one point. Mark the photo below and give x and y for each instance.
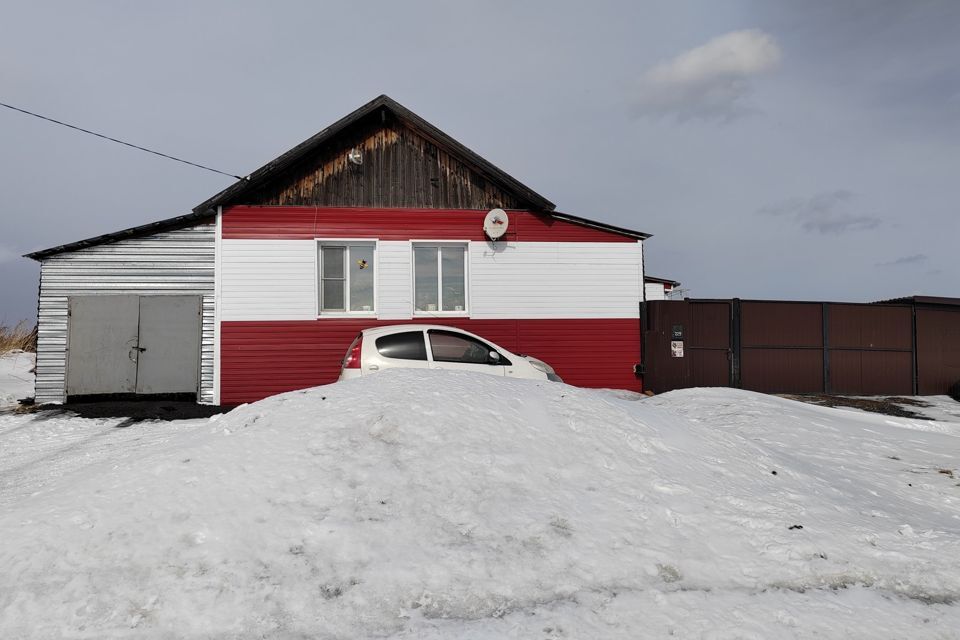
(16, 378)
(437, 504)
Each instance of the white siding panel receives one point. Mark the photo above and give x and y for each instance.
(276, 280)
(268, 280)
(654, 291)
(555, 280)
(394, 281)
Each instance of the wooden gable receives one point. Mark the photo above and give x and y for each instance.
(398, 167)
(406, 162)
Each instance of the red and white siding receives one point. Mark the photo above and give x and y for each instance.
(563, 292)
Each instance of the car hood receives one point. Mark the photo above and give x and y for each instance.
(543, 366)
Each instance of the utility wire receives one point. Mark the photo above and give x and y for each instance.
(100, 135)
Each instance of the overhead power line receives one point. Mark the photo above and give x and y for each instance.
(128, 144)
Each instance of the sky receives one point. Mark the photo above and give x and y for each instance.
(774, 149)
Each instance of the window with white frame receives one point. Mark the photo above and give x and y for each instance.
(440, 278)
(347, 276)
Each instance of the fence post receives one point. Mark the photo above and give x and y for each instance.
(735, 380)
(825, 316)
(644, 326)
(913, 348)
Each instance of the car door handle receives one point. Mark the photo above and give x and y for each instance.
(373, 367)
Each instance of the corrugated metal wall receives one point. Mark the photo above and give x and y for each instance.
(171, 262)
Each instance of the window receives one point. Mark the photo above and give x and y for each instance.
(408, 345)
(439, 278)
(447, 346)
(347, 277)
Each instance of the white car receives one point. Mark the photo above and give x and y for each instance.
(427, 346)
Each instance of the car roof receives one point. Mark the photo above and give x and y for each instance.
(400, 328)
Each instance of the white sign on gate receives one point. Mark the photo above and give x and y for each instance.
(676, 348)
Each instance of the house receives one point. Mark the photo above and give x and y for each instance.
(658, 288)
(378, 219)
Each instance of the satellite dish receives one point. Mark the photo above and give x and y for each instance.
(495, 224)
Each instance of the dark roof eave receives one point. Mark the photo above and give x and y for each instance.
(656, 280)
(132, 232)
(603, 226)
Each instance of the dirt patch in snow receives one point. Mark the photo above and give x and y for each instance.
(132, 411)
(891, 405)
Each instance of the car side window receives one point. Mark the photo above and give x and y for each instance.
(448, 346)
(408, 345)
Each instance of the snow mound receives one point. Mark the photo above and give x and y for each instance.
(16, 377)
(437, 504)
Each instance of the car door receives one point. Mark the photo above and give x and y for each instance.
(460, 352)
(405, 349)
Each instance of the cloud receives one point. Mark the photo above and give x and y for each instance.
(709, 82)
(916, 258)
(823, 213)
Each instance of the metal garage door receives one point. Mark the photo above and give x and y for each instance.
(133, 344)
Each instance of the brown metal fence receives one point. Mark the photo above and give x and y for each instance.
(938, 348)
(801, 347)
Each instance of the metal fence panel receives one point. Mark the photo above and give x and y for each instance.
(938, 350)
(801, 347)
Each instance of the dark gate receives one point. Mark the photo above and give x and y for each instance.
(687, 344)
(801, 347)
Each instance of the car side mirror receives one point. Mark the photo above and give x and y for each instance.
(493, 358)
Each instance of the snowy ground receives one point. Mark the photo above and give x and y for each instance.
(16, 377)
(423, 504)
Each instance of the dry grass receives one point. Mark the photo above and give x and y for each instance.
(20, 336)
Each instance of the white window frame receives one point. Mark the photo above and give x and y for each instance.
(414, 244)
(318, 282)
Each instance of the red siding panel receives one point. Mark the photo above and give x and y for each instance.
(260, 359)
(303, 223)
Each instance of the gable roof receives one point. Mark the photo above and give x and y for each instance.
(206, 210)
(405, 116)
